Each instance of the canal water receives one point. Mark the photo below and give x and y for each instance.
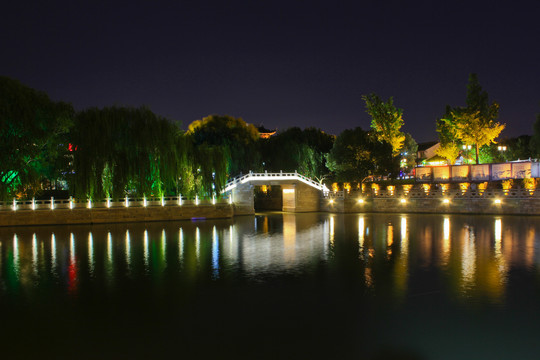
(275, 286)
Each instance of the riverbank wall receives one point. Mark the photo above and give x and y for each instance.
(65, 212)
(495, 201)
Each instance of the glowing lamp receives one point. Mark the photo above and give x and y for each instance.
(403, 201)
(360, 201)
(331, 201)
(446, 201)
(497, 201)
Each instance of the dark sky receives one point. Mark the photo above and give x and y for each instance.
(279, 63)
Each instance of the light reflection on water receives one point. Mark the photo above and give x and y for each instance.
(472, 255)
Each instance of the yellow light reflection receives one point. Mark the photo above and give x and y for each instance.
(331, 230)
(498, 236)
(446, 240)
(289, 237)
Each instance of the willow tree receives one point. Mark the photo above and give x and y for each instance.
(233, 136)
(386, 121)
(32, 138)
(124, 150)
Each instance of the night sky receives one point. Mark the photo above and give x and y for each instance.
(279, 63)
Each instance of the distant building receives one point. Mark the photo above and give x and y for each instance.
(426, 150)
(264, 133)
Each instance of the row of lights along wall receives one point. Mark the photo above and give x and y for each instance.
(126, 202)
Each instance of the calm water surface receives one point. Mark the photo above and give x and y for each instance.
(275, 286)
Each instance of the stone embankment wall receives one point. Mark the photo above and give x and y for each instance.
(115, 214)
(517, 202)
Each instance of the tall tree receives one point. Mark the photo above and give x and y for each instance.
(474, 124)
(297, 149)
(386, 121)
(535, 139)
(32, 137)
(357, 154)
(236, 139)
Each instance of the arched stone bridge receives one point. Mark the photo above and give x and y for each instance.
(300, 193)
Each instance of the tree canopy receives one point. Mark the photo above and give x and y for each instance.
(357, 154)
(386, 121)
(297, 149)
(33, 131)
(231, 136)
(474, 124)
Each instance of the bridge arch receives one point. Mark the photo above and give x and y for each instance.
(300, 193)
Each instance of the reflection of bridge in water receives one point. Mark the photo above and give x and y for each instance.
(300, 193)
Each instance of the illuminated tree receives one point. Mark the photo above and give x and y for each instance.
(123, 150)
(474, 124)
(386, 121)
(32, 138)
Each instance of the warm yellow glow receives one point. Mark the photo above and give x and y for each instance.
(403, 201)
(335, 187)
(108, 202)
(347, 187)
(426, 187)
(288, 191)
(331, 201)
(360, 201)
(529, 184)
(446, 201)
(264, 189)
(89, 203)
(497, 201)
(464, 187)
(445, 187)
(179, 199)
(407, 188)
(507, 184)
(33, 204)
(498, 231)
(390, 189)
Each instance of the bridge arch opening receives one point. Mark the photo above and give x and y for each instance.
(268, 198)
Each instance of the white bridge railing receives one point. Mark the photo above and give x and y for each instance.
(266, 176)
